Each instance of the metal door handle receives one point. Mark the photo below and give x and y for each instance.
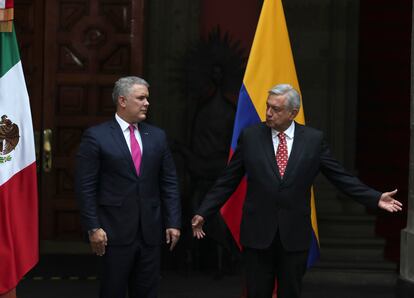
(47, 150)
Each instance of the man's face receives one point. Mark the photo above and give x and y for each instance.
(134, 106)
(278, 115)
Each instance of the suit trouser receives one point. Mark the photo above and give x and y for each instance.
(134, 268)
(263, 266)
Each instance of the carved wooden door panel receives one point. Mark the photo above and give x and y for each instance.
(87, 45)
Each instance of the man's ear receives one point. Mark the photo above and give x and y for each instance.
(294, 113)
(122, 101)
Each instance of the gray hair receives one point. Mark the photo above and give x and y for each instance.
(292, 96)
(123, 86)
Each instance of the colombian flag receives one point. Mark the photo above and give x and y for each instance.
(270, 63)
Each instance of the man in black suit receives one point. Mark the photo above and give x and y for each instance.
(281, 159)
(127, 190)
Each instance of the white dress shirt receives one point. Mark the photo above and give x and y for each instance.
(290, 133)
(125, 130)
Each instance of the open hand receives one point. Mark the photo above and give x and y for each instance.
(388, 203)
(197, 225)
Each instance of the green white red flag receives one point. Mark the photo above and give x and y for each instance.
(19, 247)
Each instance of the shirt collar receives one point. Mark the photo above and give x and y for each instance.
(122, 123)
(289, 132)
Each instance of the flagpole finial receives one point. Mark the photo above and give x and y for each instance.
(6, 16)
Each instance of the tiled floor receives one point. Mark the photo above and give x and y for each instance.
(68, 276)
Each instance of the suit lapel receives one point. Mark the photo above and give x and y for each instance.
(119, 139)
(146, 144)
(297, 148)
(269, 150)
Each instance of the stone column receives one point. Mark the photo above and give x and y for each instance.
(405, 284)
(324, 38)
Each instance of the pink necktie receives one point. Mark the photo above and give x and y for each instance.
(135, 149)
(282, 154)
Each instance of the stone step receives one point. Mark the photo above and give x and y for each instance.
(324, 276)
(366, 265)
(340, 225)
(352, 250)
(352, 255)
(368, 242)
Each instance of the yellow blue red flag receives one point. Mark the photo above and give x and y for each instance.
(270, 63)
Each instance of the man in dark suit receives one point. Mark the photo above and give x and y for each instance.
(127, 190)
(281, 159)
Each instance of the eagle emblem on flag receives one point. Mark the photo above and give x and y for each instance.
(9, 135)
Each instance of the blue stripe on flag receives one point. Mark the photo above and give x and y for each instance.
(246, 115)
(313, 251)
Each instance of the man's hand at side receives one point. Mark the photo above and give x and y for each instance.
(172, 236)
(197, 225)
(98, 241)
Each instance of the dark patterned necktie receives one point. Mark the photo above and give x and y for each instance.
(282, 154)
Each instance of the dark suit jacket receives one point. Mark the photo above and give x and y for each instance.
(273, 203)
(112, 196)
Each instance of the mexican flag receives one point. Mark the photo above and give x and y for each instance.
(19, 248)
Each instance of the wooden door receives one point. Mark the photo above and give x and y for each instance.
(86, 45)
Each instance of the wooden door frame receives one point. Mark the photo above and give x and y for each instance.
(40, 75)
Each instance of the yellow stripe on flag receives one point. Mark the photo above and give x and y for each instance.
(271, 63)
